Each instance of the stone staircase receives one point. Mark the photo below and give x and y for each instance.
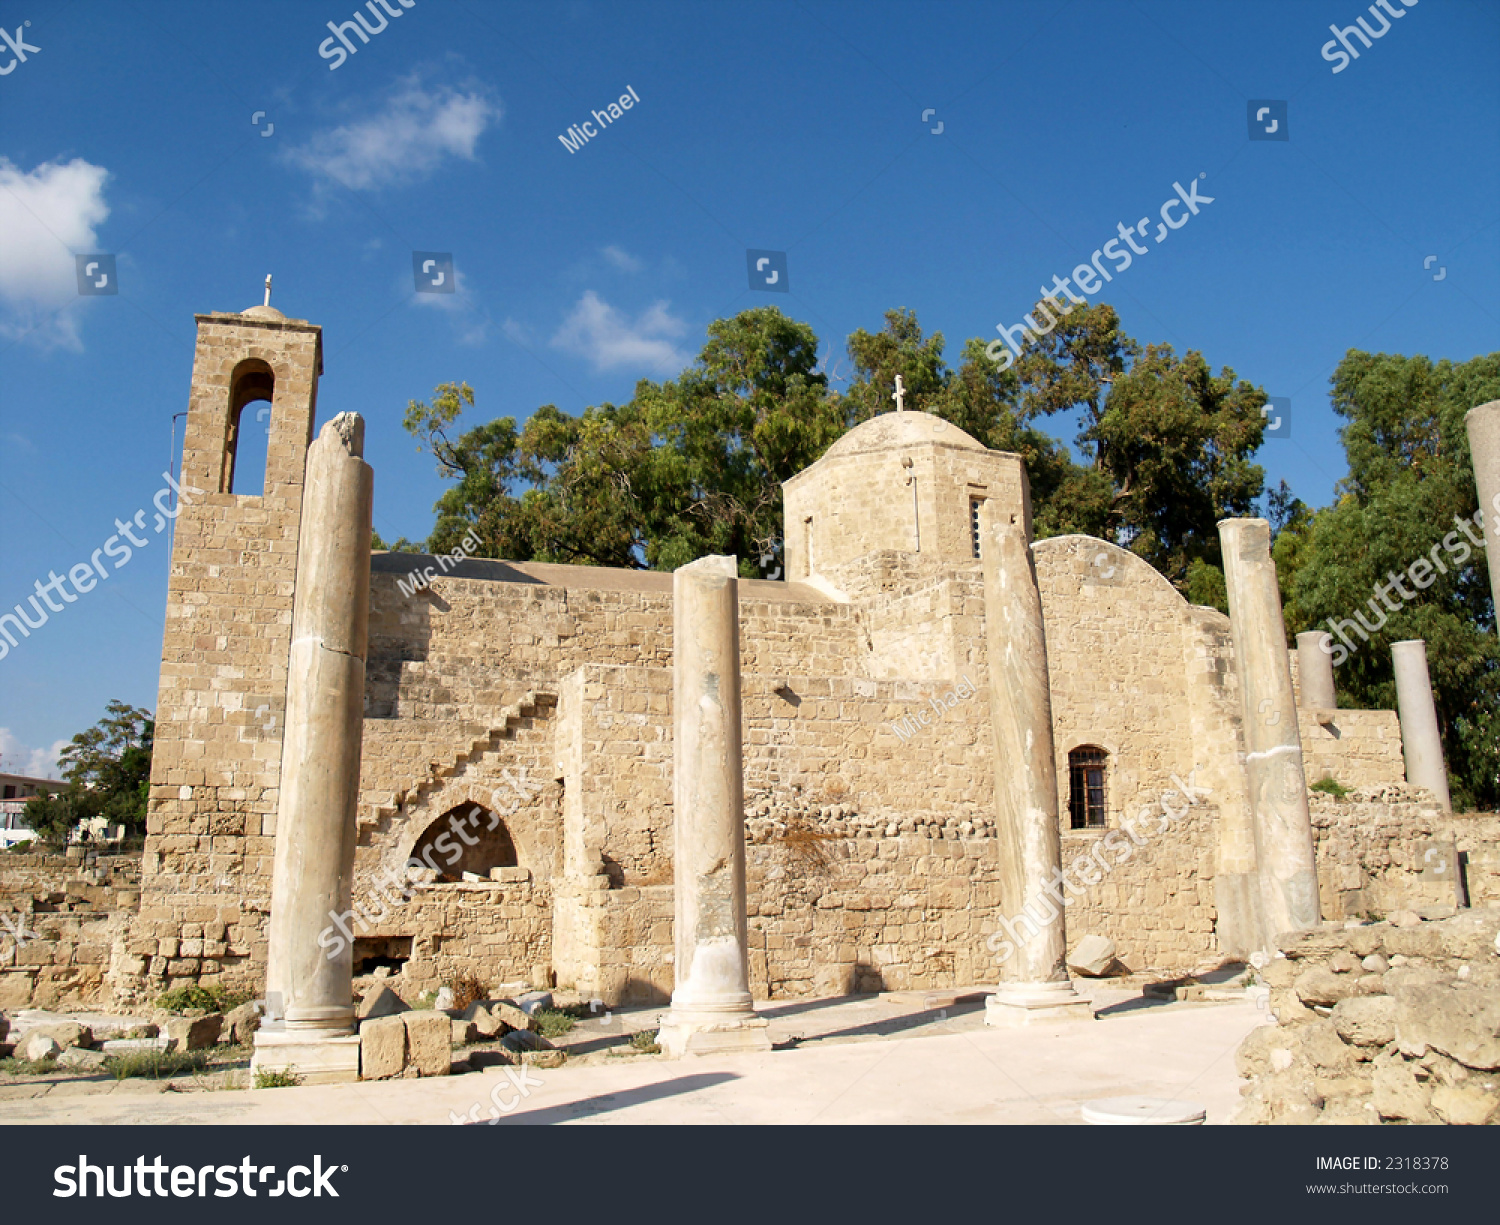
(518, 717)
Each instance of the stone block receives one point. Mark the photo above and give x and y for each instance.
(535, 1001)
(382, 1048)
(1398, 1095)
(1460, 1021)
(1424, 941)
(429, 1042)
(241, 1023)
(502, 1018)
(81, 1060)
(1093, 957)
(1320, 985)
(1469, 1105)
(379, 1002)
(1366, 1020)
(35, 1047)
(193, 1033)
(67, 1033)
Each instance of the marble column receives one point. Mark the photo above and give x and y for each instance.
(1032, 941)
(1421, 742)
(1484, 449)
(309, 964)
(1315, 671)
(711, 1010)
(1284, 855)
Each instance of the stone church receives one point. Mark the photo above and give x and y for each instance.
(517, 747)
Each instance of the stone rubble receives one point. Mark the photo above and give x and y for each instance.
(1417, 1041)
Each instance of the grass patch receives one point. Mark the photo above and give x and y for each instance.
(155, 1065)
(1329, 787)
(425, 1002)
(645, 1042)
(555, 1022)
(275, 1078)
(12, 1066)
(191, 997)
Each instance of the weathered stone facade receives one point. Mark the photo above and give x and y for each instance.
(542, 694)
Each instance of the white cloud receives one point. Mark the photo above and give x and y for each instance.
(622, 260)
(471, 327)
(597, 331)
(16, 758)
(46, 216)
(406, 140)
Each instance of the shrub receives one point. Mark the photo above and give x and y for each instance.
(1329, 787)
(553, 1022)
(272, 1078)
(155, 1065)
(193, 997)
(466, 991)
(645, 1042)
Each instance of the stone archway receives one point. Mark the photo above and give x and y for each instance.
(467, 838)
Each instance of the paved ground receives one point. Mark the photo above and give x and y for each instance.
(853, 1060)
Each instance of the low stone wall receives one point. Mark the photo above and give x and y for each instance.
(64, 916)
(1381, 1022)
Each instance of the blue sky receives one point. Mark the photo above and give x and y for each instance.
(798, 127)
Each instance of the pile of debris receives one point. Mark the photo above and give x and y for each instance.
(1380, 1022)
(396, 1040)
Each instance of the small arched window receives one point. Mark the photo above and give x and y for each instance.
(1088, 798)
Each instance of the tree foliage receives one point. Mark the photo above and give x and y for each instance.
(108, 772)
(695, 465)
(1410, 482)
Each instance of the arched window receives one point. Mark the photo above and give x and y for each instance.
(1088, 799)
(252, 383)
(468, 838)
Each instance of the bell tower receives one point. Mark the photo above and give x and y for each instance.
(206, 875)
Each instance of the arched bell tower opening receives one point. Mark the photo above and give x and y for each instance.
(252, 386)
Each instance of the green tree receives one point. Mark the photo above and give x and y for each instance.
(752, 411)
(1410, 483)
(1166, 443)
(108, 772)
(695, 465)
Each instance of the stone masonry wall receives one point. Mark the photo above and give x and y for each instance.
(216, 763)
(68, 912)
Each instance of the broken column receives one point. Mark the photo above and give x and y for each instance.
(1034, 984)
(1315, 670)
(1284, 853)
(1421, 742)
(309, 967)
(1484, 450)
(711, 1005)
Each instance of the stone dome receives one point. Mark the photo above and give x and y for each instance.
(263, 312)
(891, 430)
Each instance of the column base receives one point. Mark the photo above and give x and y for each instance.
(688, 1033)
(332, 1060)
(1016, 1004)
